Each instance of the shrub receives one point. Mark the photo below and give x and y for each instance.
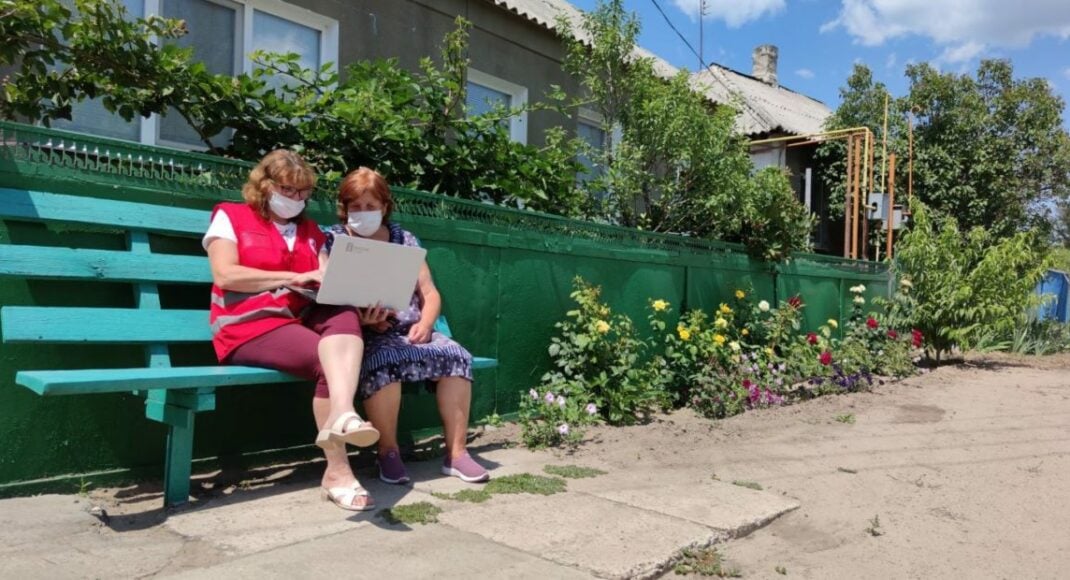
(600, 359)
(961, 285)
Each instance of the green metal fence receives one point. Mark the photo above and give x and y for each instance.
(505, 276)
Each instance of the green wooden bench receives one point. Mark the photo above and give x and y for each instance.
(173, 395)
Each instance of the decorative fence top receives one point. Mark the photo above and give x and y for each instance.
(89, 158)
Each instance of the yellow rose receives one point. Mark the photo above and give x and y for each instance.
(741, 294)
(735, 345)
(725, 309)
(833, 323)
(601, 326)
(768, 351)
(719, 339)
(745, 332)
(720, 323)
(660, 305)
(684, 333)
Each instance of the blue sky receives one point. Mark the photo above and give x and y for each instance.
(819, 40)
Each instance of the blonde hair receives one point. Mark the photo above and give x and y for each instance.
(280, 167)
(358, 182)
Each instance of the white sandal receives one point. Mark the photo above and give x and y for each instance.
(343, 497)
(364, 435)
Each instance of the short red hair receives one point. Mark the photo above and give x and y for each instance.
(358, 182)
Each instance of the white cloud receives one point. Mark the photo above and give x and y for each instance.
(805, 73)
(953, 23)
(961, 53)
(735, 13)
(890, 61)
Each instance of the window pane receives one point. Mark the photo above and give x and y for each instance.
(212, 29)
(594, 136)
(483, 99)
(89, 116)
(274, 34)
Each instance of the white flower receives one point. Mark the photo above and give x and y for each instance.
(549, 398)
(906, 283)
(591, 409)
(561, 401)
(563, 428)
(859, 300)
(734, 345)
(534, 394)
(763, 306)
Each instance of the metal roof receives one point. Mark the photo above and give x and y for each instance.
(763, 108)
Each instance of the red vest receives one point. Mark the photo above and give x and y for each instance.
(238, 317)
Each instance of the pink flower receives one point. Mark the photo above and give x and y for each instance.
(591, 409)
(811, 337)
(561, 401)
(893, 334)
(563, 428)
(826, 358)
(549, 398)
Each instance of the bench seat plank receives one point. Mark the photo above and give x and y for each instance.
(479, 362)
(74, 264)
(77, 382)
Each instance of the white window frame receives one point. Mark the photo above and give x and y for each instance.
(587, 116)
(328, 28)
(518, 124)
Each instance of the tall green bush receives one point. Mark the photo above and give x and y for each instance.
(961, 285)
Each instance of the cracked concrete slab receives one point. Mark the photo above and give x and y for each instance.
(605, 538)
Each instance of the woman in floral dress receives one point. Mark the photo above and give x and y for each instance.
(403, 346)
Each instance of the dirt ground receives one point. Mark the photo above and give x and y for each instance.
(963, 472)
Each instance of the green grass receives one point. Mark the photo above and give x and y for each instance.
(748, 484)
(572, 471)
(846, 418)
(526, 483)
(519, 483)
(468, 495)
(705, 562)
(413, 513)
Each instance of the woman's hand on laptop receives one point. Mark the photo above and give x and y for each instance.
(311, 278)
(376, 317)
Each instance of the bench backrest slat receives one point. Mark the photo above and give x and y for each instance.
(103, 325)
(42, 206)
(73, 264)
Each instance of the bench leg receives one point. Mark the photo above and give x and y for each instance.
(179, 462)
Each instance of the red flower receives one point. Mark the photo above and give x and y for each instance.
(826, 358)
(893, 334)
(747, 384)
(811, 338)
(871, 322)
(916, 337)
(795, 302)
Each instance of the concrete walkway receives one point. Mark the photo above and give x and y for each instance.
(617, 525)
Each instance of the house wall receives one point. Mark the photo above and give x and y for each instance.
(501, 43)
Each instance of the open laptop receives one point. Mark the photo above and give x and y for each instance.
(366, 272)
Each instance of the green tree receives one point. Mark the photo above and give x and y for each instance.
(679, 165)
(989, 149)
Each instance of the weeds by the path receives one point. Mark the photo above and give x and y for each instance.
(705, 562)
(413, 513)
(572, 471)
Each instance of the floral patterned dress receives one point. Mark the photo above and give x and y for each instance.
(389, 357)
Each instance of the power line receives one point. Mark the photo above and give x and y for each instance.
(682, 37)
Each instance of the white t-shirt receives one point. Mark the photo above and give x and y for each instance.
(222, 228)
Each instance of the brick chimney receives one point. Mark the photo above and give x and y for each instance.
(765, 64)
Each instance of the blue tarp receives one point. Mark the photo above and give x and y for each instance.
(1057, 284)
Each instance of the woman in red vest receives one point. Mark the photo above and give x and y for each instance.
(257, 250)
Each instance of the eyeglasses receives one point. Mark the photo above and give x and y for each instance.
(290, 191)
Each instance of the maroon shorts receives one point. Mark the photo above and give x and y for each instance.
(294, 348)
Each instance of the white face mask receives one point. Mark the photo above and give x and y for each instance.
(285, 207)
(365, 223)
